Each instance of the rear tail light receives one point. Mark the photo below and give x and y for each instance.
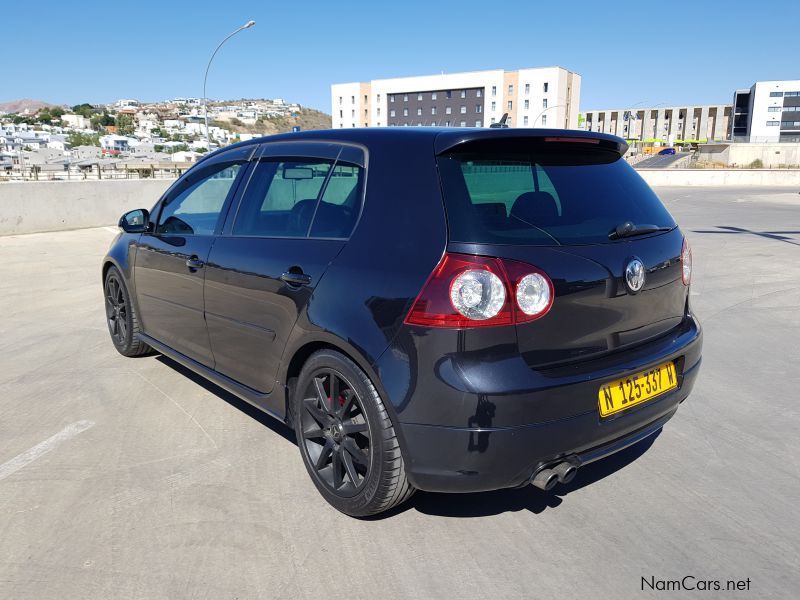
(477, 291)
(686, 263)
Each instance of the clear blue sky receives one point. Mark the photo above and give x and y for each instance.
(627, 52)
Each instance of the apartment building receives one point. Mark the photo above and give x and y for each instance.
(665, 124)
(536, 97)
(767, 112)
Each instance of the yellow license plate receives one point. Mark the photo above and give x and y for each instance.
(619, 395)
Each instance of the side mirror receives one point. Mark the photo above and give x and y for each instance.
(135, 221)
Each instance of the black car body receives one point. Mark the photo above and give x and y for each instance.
(248, 291)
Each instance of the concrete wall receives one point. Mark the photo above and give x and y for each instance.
(721, 177)
(28, 207)
(770, 155)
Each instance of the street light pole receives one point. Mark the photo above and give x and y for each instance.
(536, 120)
(247, 25)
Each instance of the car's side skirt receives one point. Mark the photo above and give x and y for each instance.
(259, 400)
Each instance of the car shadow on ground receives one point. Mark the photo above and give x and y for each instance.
(482, 504)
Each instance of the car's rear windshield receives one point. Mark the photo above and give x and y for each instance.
(540, 193)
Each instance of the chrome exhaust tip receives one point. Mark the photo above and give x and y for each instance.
(546, 480)
(565, 471)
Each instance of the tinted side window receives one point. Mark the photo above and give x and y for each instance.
(340, 205)
(195, 209)
(281, 198)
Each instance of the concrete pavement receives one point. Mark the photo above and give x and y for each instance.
(130, 478)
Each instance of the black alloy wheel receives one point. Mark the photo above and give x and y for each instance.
(335, 432)
(116, 310)
(346, 437)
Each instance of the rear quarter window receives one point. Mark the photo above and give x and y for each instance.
(544, 195)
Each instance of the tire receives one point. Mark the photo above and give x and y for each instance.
(121, 318)
(369, 476)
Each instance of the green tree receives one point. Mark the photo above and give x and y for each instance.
(57, 112)
(83, 139)
(85, 109)
(125, 124)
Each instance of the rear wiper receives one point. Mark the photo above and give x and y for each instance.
(628, 229)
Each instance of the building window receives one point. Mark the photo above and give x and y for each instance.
(405, 97)
(341, 114)
(448, 110)
(510, 104)
(365, 98)
(392, 113)
(479, 93)
(793, 94)
(463, 93)
(433, 96)
(433, 123)
(366, 111)
(527, 88)
(544, 103)
(775, 109)
(419, 97)
(419, 112)
(493, 121)
(773, 123)
(352, 99)
(477, 123)
(463, 110)
(353, 113)
(776, 94)
(433, 110)
(494, 91)
(478, 108)
(525, 120)
(391, 98)
(379, 98)
(405, 112)
(494, 105)
(447, 123)
(378, 124)
(544, 120)
(527, 104)
(508, 121)
(463, 124)
(340, 100)
(545, 87)
(448, 94)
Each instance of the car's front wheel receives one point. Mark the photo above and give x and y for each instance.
(123, 323)
(346, 437)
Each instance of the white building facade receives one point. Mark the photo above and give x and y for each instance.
(768, 112)
(536, 97)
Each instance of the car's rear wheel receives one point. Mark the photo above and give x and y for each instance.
(346, 437)
(123, 323)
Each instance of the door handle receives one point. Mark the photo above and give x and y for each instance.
(296, 278)
(194, 263)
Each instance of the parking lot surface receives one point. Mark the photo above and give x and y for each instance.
(131, 478)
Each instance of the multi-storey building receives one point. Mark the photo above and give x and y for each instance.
(667, 124)
(767, 112)
(538, 97)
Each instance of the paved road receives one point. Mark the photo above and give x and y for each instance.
(660, 161)
(128, 478)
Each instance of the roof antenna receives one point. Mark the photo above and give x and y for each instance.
(501, 124)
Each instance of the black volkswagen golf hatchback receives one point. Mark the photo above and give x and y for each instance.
(451, 310)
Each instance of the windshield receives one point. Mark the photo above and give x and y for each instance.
(544, 195)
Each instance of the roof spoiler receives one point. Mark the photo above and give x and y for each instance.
(449, 140)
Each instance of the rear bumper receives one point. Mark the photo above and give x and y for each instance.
(482, 456)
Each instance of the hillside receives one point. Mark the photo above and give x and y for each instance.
(18, 106)
(307, 118)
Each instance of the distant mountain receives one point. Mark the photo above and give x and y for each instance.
(18, 106)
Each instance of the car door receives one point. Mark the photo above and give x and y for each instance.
(299, 207)
(170, 261)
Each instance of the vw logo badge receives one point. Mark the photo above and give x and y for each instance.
(634, 275)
